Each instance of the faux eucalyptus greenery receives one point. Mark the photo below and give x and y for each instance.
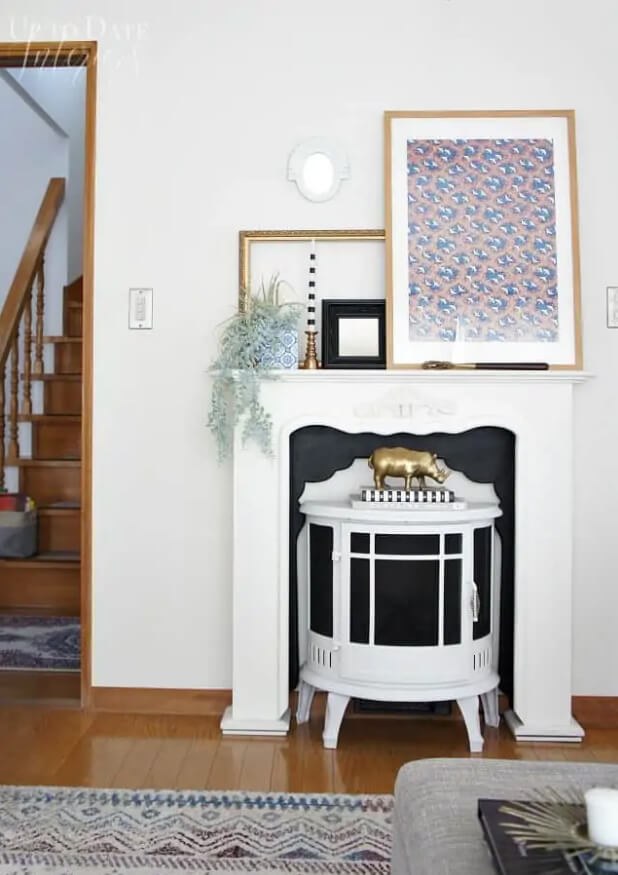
(239, 369)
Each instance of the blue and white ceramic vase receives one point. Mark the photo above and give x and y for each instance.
(283, 353)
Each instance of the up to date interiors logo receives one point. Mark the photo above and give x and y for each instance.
(119, 40)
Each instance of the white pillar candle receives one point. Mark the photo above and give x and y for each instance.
(602, 815)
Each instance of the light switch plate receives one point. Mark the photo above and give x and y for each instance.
(612, 306)
(140, 308)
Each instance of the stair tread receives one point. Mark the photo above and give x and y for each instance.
(58, 556)
(55, 418)
(61, 338)
(60, 505)
(45, 378)
(59, 559)
(57, 511)
(30, 611)
(28, 462)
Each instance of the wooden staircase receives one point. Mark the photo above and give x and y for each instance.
(48, 584)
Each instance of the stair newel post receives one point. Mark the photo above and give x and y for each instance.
(26, 404)
(40, 312)
(14, 400)
(2, 423)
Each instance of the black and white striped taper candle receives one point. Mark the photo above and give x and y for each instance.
(312, 288)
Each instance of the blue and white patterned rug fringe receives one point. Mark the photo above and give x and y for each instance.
(85, 832)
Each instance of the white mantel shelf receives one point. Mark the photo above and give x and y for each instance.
(419, 375)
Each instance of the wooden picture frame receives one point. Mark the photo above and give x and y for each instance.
(365, 348)
(482, 253)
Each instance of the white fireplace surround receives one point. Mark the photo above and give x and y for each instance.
(536, 406)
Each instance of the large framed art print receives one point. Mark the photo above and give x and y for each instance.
(481, 238)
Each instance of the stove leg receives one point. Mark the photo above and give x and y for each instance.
(305, 699)
(469, 708)
(335, 709)
(490, 707)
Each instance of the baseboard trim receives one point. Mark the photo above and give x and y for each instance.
(134, 700)
(596, 712)
(593, 712)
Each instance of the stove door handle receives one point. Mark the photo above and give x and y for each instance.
(475, 603)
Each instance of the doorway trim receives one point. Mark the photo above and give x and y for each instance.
(77, 54)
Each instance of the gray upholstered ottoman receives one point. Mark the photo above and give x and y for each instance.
(435, 825)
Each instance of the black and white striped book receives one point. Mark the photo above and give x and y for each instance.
(427, 495)
(359, 503)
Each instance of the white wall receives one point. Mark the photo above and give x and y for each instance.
(62, 94)
(31, 153)
(199, 105)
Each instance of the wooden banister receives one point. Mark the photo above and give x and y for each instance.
(24, 276)
(18, 304)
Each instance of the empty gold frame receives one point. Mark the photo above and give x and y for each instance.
(248, 238)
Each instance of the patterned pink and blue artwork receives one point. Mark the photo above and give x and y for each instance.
(482, 240)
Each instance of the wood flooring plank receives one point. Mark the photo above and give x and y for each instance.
(287, 768)
(194, 772)
(225, 771)
(603, 745)
(135, 767)
(19, 734)
(56, 740)
(99, 755)
(167, 763)
(318, 764)
(257, 765)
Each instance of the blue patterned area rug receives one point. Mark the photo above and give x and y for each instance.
(39, 642)
(86, 832)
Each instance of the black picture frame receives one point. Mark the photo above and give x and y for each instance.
(335, 309)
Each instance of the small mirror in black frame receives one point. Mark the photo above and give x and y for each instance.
(353, 333)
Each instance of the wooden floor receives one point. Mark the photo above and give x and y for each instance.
(74, 748)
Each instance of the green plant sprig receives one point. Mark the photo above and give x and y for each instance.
(239, 368)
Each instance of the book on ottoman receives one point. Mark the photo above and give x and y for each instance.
(512, 857)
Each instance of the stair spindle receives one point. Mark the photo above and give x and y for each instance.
(26, 404)
(2, 421)
(14, 400)
(40, 311)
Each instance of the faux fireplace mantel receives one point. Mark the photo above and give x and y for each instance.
(536, 406)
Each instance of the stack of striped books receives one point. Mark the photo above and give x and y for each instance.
(429, 496)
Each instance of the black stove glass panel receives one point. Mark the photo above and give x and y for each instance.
(407, 545)
(321, 579)
(406, 602)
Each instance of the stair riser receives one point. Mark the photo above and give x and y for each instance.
(62, 397)
(59, 532)
(48, 485)
(50, 688)
(51, 440)
(74, 291)
(68, 358)
(50, 591)
(73, 322)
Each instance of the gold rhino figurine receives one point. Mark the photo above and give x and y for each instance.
(399, 462)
